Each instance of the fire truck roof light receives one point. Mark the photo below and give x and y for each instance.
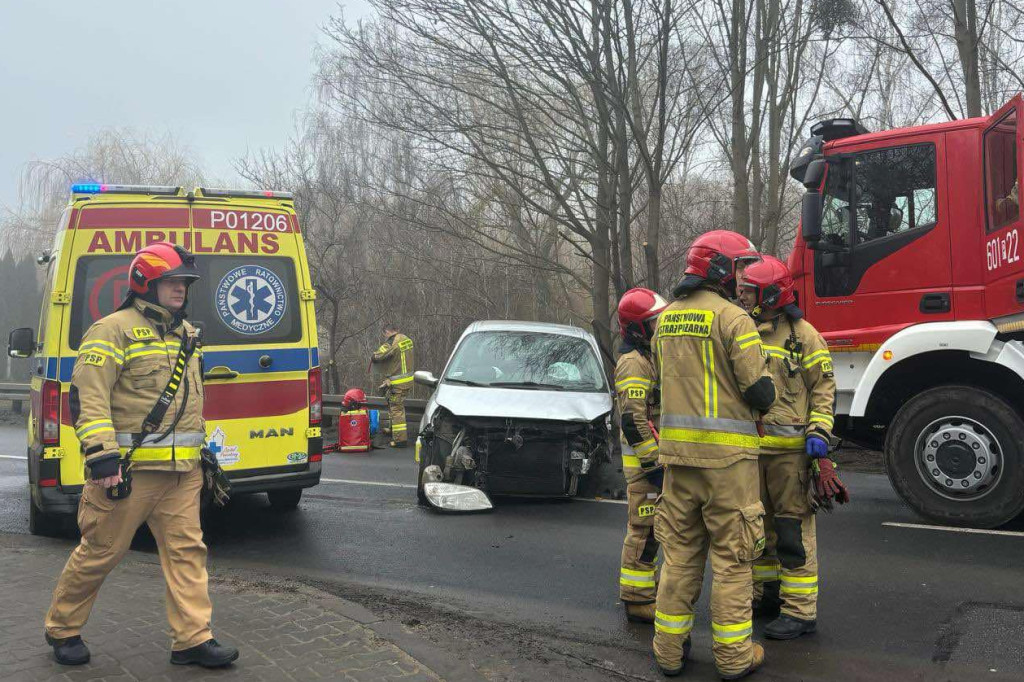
(838, 128)
(103, 188)
(255, 193)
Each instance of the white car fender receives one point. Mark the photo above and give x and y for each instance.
(977, 337)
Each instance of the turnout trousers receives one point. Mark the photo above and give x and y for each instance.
(638, 573)
(396, 408)
(790, 560)
(169, 503)
(704, 511)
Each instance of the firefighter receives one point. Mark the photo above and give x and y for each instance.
(131, 363)
(396, 359)
(713, 380)
(636, 396)
(798, 426)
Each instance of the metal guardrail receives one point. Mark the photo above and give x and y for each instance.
(19, 393)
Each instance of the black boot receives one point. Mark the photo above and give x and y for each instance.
(770, 602)
(788, 627)
(209, 654)
(69, 650)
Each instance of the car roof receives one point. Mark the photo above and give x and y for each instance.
(523, 326)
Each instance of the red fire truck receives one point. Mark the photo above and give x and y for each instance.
(909, 262)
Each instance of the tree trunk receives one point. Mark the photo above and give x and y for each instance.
(965, 25)
(740, 153)
(653, 235)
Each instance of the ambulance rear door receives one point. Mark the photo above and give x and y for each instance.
(249, 305)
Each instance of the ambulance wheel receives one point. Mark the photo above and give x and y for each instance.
(954, 454)
(41, 523)
(286, 499)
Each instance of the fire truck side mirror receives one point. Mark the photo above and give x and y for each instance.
(814, 174)
(21, 343)
(810, 217)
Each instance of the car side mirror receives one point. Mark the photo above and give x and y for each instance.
(425, 378)
(810, 216)
(814, 174)
(21, 343)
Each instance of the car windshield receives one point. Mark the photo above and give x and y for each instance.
(526, 360)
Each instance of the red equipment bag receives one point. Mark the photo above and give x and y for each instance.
(354, 431)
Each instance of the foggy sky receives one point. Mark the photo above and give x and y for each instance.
(222, 76)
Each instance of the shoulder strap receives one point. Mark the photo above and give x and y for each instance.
(156, 415)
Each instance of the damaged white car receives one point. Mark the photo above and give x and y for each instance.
(521, 408)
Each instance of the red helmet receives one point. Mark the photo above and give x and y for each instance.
(158, 261)
(636, 307)
(353, 397)
(713, 255)
(773, 282)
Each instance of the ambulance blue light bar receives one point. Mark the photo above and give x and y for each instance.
(103, 188)
(253, 193)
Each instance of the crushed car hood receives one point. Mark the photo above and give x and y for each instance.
(514, 403)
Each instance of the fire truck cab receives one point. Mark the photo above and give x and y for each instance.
(909, 262)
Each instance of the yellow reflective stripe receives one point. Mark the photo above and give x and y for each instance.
(647, 447)
(404, 369)
(105, 345)
(673, 625)
(816, 357)
(795, 442)
(140, 353)
(728, 634)
(95, 426)
(633, 578)
(710, 381)
(821, 418)
(798, 584)
(767, 571)
(401, 381)
(709, 437)
(643, 383)
(162, 454)
(631, 461)
(398, 427)
(748, 344)
(626, 387)
(750, 335)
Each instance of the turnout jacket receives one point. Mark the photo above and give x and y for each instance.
(124, 363)
(801, 367)
(636, 397)
(396, 359)
(712, 374)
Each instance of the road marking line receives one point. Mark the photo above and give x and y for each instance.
(954, 529)
(380, 483)
(12, 457)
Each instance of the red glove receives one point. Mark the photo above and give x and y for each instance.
(826, 484)
(654, 429)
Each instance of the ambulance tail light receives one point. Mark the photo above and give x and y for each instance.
(316, 397)
(49, 416)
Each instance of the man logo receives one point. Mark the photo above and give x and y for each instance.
(272, 433)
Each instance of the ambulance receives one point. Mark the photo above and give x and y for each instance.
(253, 305)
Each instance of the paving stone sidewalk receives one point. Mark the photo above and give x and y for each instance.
(284, 630)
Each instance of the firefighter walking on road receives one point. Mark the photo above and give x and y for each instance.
(395, 356)
(136, 401)
(636, 398)
(798, 426)
(713, 380)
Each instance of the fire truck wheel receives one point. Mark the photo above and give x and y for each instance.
(284, 500)
(955, 455)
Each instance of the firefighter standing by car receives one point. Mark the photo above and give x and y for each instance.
(396, 359)
(136, 402)
(636, 397)
(798, 426)
(713, 380)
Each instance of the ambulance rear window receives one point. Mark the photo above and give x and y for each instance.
(239, 300)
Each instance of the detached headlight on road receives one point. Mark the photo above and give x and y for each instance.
(452, 497)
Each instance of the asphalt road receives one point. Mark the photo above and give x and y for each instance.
(529, 591)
